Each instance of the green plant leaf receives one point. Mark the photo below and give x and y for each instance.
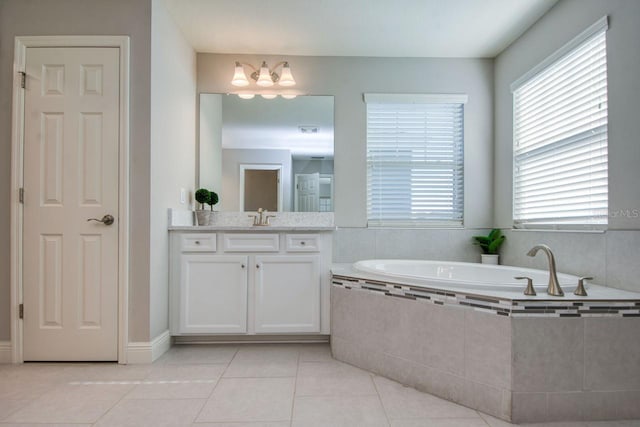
(495, 245)
(482, 239)
(203, 196)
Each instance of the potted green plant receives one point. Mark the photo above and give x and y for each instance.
(213, 199)
(203, 196)
(490, 245)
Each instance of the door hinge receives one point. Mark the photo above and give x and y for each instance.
(21, 311)
(23, 79)
(21, 195)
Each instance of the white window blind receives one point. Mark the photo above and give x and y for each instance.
(560, 138)
(415, 159)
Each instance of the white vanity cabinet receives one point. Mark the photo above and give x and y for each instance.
(238, 283)
(213, 294)
(287, 293)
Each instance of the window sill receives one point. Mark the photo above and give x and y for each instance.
(556, 230)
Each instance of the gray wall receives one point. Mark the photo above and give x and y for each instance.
(173, 152)
(347, 78)
(209, 173)
(613, 257)
(85, 17)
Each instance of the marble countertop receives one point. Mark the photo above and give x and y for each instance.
(259, 228)
(183, 220)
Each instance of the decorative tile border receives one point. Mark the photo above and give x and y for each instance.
(500, 307)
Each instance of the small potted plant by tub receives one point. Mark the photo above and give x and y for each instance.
(203, 196)
(490, 245)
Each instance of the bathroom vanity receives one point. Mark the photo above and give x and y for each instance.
(249, 280)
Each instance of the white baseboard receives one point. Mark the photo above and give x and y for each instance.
(147, 352)
(5, 352)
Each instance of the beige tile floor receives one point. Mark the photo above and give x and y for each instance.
(227, 386)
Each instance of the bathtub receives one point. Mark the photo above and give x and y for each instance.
(462, 275)
(467, 333)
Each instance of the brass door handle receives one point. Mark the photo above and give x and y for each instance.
(106, 220)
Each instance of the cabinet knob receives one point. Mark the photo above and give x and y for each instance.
(257, 265)
(303, 243)
(197, 242)
(242, 265)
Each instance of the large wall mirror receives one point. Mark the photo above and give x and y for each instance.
(275, 154)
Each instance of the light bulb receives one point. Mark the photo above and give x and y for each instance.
(264, 79)
(288, 96)
(239, 77)
(268, 95)
(286, 78)
(246, 95)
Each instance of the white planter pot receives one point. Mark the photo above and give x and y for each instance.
(490, 259)
(203, 217)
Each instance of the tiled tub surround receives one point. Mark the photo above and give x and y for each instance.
(520, 359)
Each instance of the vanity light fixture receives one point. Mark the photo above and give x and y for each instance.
(264, 76)
(266, 95)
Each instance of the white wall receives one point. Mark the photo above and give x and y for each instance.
(86, 17)
(613, 256)
(231, 161)
(209, 173)
(173, 122)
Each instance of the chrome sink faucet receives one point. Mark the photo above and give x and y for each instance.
(262, 218)
(554, 286)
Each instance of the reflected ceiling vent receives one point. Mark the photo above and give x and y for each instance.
(317, 157)
(308, 129)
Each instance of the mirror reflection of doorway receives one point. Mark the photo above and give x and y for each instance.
(261, 187)
(313, 192)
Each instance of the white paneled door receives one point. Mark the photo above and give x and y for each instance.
(307, 192)
(70, 264)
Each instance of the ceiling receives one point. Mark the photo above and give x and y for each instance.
(381, 28)
(275, 124)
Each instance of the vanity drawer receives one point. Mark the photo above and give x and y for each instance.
(302, 243)
(198, 242)
(268, 242)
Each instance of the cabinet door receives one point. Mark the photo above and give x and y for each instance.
(287, 293)
(213, 294)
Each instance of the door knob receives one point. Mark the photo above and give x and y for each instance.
(106, 220)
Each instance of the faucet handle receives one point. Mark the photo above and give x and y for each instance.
(530, 290)
(267, 218)
(255, 219)
(580, 290)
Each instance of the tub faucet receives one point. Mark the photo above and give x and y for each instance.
(554, 286)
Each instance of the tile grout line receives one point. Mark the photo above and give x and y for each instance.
(229, 363)
(115, 404)
(482, 418)
(295, 385)
(384, 409)
(214, 387)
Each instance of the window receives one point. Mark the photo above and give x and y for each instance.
(415, 160)
(560, 137)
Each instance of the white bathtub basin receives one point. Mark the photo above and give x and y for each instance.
(462, 274)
